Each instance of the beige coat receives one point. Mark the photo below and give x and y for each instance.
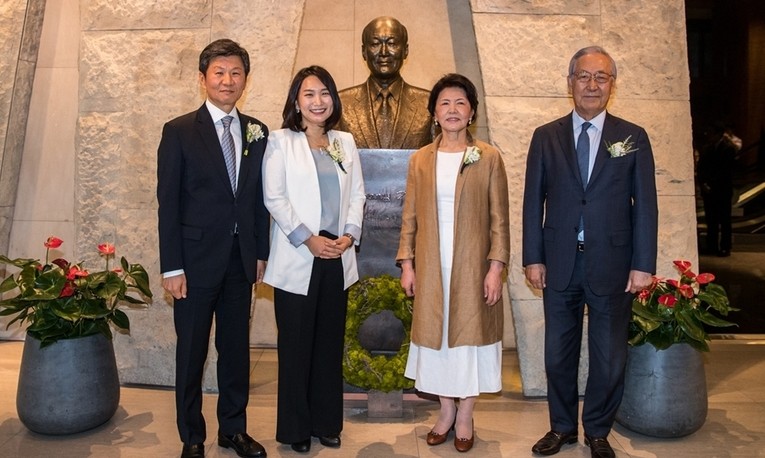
(481, 234)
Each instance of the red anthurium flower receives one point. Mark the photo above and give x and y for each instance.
(643, 295)
(682, 266)
(106, 248)
(75, 272)
(687, 291)
(53, 242)
(67, 291)
(667, 300)
(703, 279)
(673, 282)
(117, 270)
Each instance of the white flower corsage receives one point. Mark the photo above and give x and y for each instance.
(336, 153)
(253, 134)
(622, 148)
(472, 155)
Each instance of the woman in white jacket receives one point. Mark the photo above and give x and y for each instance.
(314, 190)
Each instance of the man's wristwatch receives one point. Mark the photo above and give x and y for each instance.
(350, 236)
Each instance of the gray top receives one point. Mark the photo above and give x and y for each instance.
(329, 186)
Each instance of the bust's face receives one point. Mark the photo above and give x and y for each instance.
(384, 49)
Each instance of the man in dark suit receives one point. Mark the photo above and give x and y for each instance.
(213, 243)
(385, 111)
(589, 237)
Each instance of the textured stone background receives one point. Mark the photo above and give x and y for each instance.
(111, 73)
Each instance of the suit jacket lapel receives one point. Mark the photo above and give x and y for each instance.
(244, 166)
(607, 136)
(404, 119)
(364, 116)
(209, 135)
(567, 145)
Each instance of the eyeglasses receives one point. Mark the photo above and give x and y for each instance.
(584, 77)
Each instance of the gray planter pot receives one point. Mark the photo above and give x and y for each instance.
(665, 392)
(68, 387)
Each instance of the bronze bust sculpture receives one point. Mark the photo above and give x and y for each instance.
(385, 111)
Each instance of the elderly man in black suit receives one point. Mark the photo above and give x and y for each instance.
(213, 243)
(385, 111)
(589, 237)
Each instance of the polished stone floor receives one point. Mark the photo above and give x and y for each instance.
(506, 424)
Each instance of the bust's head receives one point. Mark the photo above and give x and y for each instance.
(384, 46)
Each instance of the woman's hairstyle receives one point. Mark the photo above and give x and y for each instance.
(454, 80)
(291, 116)
(223, 48)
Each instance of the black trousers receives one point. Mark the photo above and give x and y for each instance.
(310, 349)
(229, 303)
(608, 324)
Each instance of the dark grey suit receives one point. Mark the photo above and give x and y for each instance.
(619, 211)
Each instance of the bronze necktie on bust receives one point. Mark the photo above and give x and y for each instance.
(384, 119)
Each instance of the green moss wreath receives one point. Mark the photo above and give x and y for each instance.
(360, 368)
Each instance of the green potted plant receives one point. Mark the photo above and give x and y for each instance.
(69, 312)
(665, 391)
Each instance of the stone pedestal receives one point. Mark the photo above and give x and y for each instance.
(385, 405)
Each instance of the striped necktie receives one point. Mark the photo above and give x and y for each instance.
(229, 151)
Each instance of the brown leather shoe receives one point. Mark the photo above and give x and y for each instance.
(437, 439)
(462, 444)
(599, 447)
(551, 443)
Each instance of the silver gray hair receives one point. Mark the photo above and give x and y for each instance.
(590, 50)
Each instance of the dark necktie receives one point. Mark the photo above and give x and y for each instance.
(229, 151)
(583, 158)
(385, 119)
(583, 153)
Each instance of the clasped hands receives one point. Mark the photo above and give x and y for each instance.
(326, 248)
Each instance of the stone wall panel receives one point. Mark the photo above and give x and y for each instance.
(537, 7)
(269, 31)
(647, 40)
(140, 14)
(528, 55)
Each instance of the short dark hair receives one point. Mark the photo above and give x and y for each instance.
(590, 50)
(291, 116)
(454, 80)
(223, 48)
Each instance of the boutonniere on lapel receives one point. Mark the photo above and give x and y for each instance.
(253, 134)
(472, 155)
(621, 148)
(335, 152)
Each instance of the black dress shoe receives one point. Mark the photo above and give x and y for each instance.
(599, 447)
(302, 446)
(193, 451)
(551, 443)
(243, 445)
(333, 440)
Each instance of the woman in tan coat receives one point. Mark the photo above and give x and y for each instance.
(454, 246)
